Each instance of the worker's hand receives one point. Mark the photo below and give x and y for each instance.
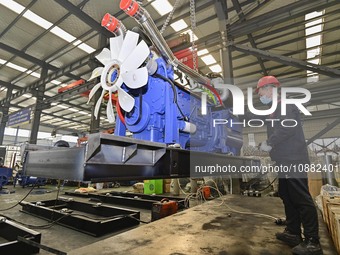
(265, 147)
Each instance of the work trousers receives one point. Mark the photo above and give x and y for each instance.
(298, 204)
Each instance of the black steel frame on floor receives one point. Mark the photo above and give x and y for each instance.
(89, 218)
(137, 200)
(11, 231)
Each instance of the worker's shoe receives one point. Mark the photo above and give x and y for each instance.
(289, 238)
(310, 246)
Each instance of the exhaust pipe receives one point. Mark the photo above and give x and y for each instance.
(134, 10)
(114, 25)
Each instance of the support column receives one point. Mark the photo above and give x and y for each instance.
(38, 109)
(225, 51)
(4, 117)
(226, 62)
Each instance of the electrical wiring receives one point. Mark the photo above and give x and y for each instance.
(45, 226)
(179, 185)
(270, 184)
(200, 198)
(110, 218)
(174, 91)
(49, 225)
(56, 199)
(241, 212)
(29, 192)
(119, 112)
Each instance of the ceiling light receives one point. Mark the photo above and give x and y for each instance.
(86, 48)
(63, 106)
(33, 74)
(216, 68)
(2, 61)
(18, 8)
(208, 59)
(179, 25)
(14, 6)
(37, 19)
(27, 96)
(162, 6)
(202, 52)
(62, 34)
(189, 31)
(312, 15)
(55, 82)
(16, 67)
(73, 110)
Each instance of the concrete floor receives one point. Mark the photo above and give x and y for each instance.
(210, 228)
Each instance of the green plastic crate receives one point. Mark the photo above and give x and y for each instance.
(153, 186)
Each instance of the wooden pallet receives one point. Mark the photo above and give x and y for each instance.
(331, 215)
(334, 215)
(326, 202)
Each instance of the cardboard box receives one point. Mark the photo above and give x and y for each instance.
(166, 187)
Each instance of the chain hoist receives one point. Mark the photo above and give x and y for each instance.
(168, 19)
(193, 27)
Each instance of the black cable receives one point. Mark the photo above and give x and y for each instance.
(140, 106)
(174, 91)
(268, 185)
(36, 226)
(110, 218)
(2, 210)
(56, 200)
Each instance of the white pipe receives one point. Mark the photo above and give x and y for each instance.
(133, 9)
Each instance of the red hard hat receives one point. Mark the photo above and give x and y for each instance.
(267, 80)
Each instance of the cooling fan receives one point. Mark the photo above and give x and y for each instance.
(121, 65)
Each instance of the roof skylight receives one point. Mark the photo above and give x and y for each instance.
(18, 8)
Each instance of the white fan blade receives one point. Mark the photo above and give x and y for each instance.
(99, 102)
(96, 72)
(104, 56)
(136, 78)
(129, 44)
(136, 57)
(93, 91)
(125, 100)
(109, 109)
(115, 46)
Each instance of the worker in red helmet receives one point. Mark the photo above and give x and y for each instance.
(287, 147)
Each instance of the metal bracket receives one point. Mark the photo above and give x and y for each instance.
(12, 231)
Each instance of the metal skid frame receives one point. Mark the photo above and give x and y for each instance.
(11, 231)
(89, 218)
(129, 199)
(108, 158)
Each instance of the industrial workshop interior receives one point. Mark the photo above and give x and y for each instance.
(169, 127)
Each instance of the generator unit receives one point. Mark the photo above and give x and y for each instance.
(151, 105)
(161, 126)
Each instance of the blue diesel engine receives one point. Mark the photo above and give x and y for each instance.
(170, 114)
(154, 107)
